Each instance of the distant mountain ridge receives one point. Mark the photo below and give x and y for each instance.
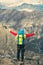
(38, 7)
(2, 6)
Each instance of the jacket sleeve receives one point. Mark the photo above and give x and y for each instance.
(30, 35)
(13, 33)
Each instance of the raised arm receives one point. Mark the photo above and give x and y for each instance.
(30, 35)
(13, 33)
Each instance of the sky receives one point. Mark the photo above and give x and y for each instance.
(9, 1)
(15, 1)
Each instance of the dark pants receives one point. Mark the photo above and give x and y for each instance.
(20, 49)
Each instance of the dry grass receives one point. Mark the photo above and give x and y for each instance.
(6, 61)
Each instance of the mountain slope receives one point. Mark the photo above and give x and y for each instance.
(30, 21)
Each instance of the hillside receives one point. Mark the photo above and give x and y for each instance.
(16, 19)
(31, 22)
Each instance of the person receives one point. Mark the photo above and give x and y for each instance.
(21, 36)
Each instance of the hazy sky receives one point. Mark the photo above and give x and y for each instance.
(26, 1)
(9, 1)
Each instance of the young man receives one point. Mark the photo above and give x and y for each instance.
(20, 36)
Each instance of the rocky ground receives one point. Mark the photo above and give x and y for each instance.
(9, 60)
